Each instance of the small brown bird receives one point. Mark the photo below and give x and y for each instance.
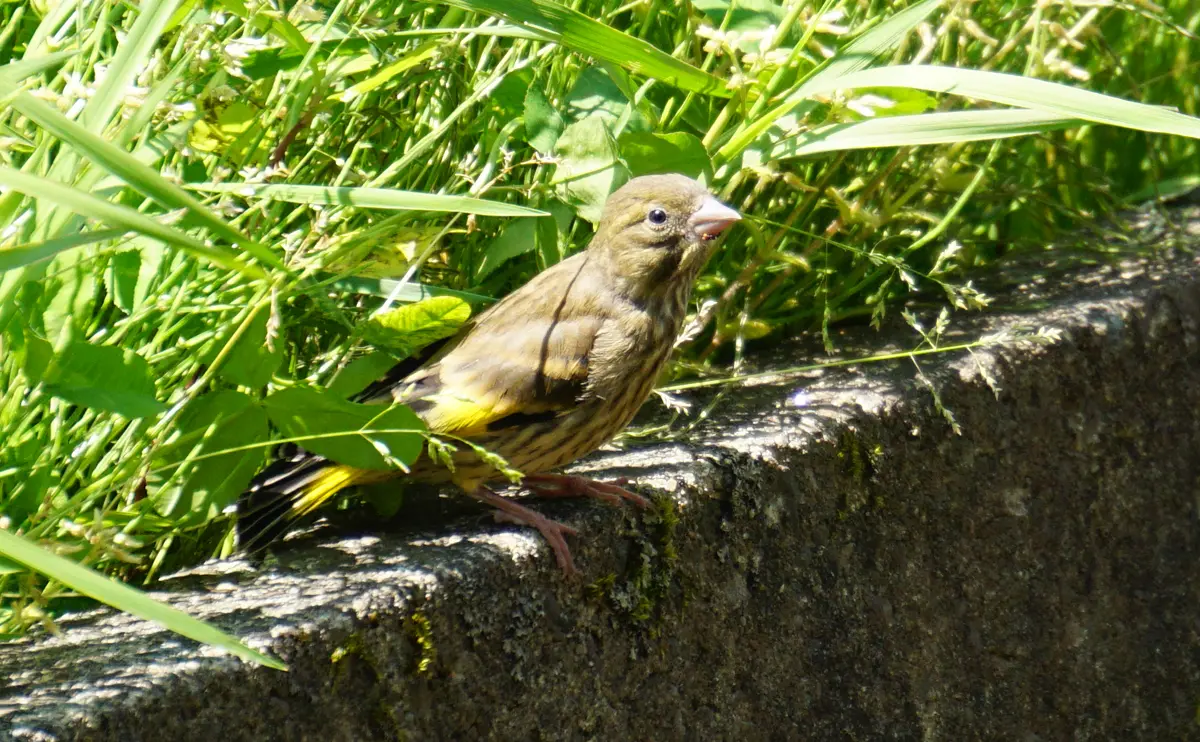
(548, 374)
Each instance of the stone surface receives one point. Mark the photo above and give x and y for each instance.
(830, 560)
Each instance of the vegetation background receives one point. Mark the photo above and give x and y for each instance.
(221, 218)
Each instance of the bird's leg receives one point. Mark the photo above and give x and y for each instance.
(567, 485)
(551, 530)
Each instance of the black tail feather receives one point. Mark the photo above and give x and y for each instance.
(265, 508)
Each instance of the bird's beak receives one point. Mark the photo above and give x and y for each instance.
(712, 218)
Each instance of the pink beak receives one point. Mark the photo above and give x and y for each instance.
(712, 218)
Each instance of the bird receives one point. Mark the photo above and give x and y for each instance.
(545, 376)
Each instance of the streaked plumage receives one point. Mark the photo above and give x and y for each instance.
(554, 370)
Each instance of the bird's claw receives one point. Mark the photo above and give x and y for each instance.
(567, 485)
(552, 531)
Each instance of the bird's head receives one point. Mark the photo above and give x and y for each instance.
(658, 231)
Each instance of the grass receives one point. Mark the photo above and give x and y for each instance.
(215, 216)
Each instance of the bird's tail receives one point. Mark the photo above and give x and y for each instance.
(284, 492)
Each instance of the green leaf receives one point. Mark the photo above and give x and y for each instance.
(38, 354)
(1027, 92)
(27, 497)
(408, 328)
(103, 377)
(252, 362)
(122, 278)
(543, 124)
(372, 198)
(199, 489)
(518, 237)
(595, 92)
(124, 598)
(576, 31)
(589, 168)
(367, 436)
(679, 152)
(548, 235)
(926, 128)
(357, 374)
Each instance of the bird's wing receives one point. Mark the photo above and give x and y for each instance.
(524, 359)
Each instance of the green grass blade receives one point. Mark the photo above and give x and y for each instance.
(15, 72)
(88, 205)
(857, 55)
(371, 198)
(576, 31)
(127, 167)
(132, 54)
(1165, 190)
(15, 257)
(125, 598)
(409, 292)
(1027, 92)
(924, 128)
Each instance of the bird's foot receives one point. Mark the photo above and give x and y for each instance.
(554, 532)
(566, 485)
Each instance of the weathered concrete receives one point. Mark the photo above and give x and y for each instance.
(842, 566)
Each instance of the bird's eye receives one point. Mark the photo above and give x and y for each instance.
(657, 216)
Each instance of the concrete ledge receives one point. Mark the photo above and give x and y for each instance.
(837, 564)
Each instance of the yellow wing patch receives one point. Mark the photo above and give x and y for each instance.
(457, 415)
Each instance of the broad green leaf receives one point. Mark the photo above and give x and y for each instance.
(594, 92)
(679, 152)
(121, 278)
(28, 495)
(1027, 92)
(580, 33)
(518, 237)
(38, 353)
(252, 361)
(543, 124)
(926, 128)
(201, 485)
(858, 54)
(357, 374)
(408, 328)
(371, 198)
(548, 242)
(367, 436)
(88, 205)
(124, 598)
(589, 167)
(103, 377)
(506, 101)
